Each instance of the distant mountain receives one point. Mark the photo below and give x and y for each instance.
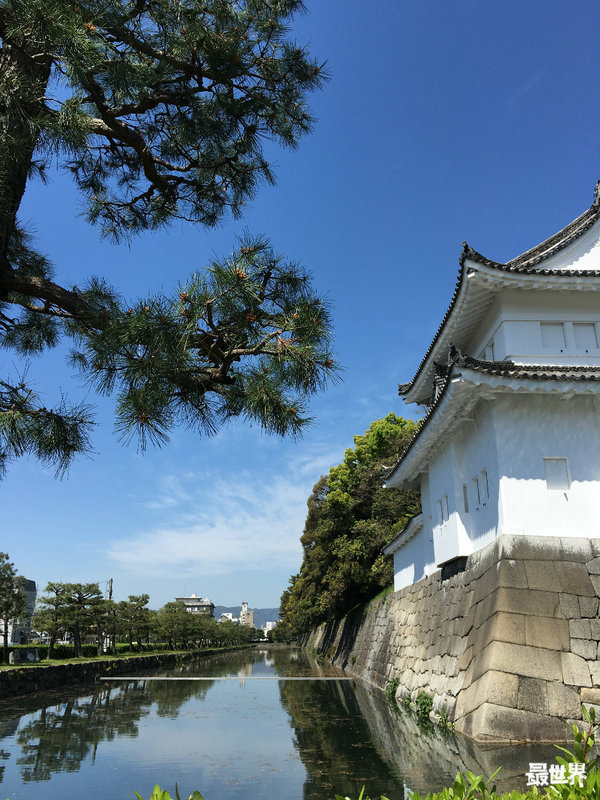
(261, 615)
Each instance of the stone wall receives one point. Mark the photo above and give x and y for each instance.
(508, 647)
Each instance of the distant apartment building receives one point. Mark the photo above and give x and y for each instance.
(198, 605)
(246, 616)
(19, 629)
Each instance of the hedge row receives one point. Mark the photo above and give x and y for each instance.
(61, 650)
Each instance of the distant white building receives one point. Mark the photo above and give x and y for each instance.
(197, 605)
(19, 629)
(246, 616)
(510, 443)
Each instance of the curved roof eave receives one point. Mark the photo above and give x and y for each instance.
(525, 263)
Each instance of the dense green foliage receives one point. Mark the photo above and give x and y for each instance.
(159, 110)
(351, 517)
(81, 611)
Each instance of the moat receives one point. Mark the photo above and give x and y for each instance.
(247, 732)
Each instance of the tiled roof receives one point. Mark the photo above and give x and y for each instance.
(525, 263)
(506, 369)
(509, 369)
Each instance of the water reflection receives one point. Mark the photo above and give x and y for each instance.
(59, 738)
(242, 738)
(333, 741)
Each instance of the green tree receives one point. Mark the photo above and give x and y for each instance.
(351, 517)
(159, 110)
(49, 615)
(133, 617)
(174, 623)
(12, 598)
(84, 608)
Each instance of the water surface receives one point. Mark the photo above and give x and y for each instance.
(256, 735)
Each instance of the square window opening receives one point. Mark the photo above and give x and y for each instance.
(557, 474)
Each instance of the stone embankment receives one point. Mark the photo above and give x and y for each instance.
(509, 647)
(24, 680)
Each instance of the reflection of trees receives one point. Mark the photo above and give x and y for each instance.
(333, 741)
(60, 737)
(169, 696)
(8, 728)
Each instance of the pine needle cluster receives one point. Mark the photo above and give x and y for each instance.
(160, 111)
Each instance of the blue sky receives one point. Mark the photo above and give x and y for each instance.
(442, 121)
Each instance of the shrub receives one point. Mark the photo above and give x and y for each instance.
(423, 705)
(390, 690)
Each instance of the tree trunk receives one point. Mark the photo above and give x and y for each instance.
(51, 645)
(77, 641)
(24, 74)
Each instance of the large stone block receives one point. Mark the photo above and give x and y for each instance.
(563, 701)
(511, 574)
(595, 672)
(491, 723)
(506, 627)
(487, 583)
(530, 548)
(527, 601)
(465, 659)
(575, 671)
(532, 695)
(595, 546)
(590, 696)
(496, 687)
(485, 608)
(580, 628)
(574, 578)
(541, 575)
(547, 632)
(584, 648)
(593, 566)
(575, 548)
(588, 606)
(532, 662)
(569, 605)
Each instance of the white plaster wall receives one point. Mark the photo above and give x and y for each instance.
(530, 428)
(470, 449)
(413, 561)
(513, 325)
(478, 442)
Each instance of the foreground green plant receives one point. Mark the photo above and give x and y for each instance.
(360, 796)
(468, 786)
(162, 794)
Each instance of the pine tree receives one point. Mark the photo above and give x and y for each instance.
(49, 615)
(159, 109)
